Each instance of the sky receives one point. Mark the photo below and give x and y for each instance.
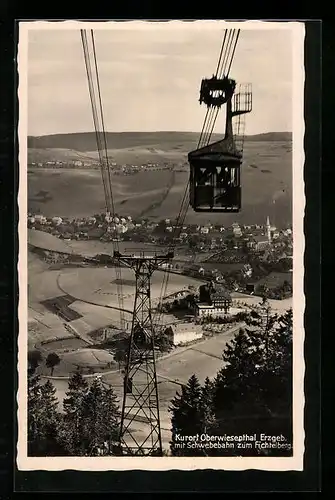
(150, 78)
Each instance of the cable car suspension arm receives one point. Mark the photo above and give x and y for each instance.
(223, 69)
(225, 61)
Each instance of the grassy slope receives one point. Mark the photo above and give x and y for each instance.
(127, 147)
(266, 179)
(119, 140)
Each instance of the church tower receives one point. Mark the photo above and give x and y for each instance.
(268, 229)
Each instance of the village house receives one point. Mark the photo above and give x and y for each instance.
(214, 300)
(182, 333)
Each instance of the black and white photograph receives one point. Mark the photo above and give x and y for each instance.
(161, 245)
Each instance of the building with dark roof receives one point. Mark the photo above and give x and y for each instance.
(213, 300)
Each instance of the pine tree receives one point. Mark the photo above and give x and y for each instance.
(73, 419)
(91, 418)
(207, 407)
(186, 416)
(277, 383)
(101, 420)
(112, 421)
(35, 433)
(43, 419)
(253, 390)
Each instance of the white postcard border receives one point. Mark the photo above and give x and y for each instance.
(25, 463)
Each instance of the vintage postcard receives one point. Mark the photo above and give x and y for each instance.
(161, 245)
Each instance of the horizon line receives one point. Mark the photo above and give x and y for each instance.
(158, 132)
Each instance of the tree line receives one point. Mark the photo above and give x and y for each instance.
(251, 393)
(88, 425)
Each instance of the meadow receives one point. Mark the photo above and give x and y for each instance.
(266, 184)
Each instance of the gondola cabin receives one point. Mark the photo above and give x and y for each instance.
(215, 169)
(215, 180)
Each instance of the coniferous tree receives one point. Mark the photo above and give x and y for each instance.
(186, 416)
(91, 418)
(43, 419)
(101, 417)
(112, 421)
(34, 408)
(207, 414)
(253, 389)
(73, 418)
(277, 380)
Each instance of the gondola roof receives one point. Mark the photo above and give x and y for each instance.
(221, 150)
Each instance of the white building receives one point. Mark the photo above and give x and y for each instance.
(57, 220)
(184, 332)
(121, 229)
(237, 231)
(108, 218)
(166, 265)
(203, 310)
(268, 230)
(40, 218)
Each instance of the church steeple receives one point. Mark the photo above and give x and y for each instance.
(268, 229)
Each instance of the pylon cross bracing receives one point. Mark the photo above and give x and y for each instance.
(140, 432)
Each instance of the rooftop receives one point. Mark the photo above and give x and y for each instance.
(219, 293)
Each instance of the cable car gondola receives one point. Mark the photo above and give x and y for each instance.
(215, 177)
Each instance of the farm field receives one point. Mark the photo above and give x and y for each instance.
(266, 188)
(79, 193)
(277, 305)
(91, 289)
(97, 286)
(90, 248)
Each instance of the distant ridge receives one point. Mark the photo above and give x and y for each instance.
(86, 141)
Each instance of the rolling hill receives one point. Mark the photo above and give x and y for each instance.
(266, 177)
(86, 141)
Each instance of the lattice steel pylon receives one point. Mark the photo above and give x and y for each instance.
(140, 432)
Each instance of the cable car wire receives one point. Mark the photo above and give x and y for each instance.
(103, 127)
(226, 57)
(102, 150)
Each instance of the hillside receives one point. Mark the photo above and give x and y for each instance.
(266, 185)
(120, 140)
